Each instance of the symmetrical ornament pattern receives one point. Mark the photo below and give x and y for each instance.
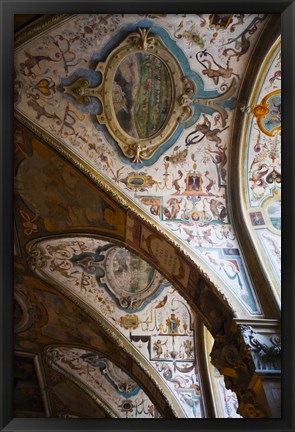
(144, 94)
(159, 327)
(181, 185)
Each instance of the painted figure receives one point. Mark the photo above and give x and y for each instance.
(173, 323)
(188, 348)
(157, 347)
(203, 130)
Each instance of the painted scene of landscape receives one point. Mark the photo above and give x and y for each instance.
(142, 95)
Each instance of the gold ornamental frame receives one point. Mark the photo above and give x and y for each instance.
(182, 92)
(260, 112)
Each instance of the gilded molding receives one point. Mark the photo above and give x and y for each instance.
(41, 24)
(243, 155)
(264, 49)
(140, 143)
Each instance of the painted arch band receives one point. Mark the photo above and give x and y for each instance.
(144, 94)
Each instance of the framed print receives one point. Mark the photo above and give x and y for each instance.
(144, 146)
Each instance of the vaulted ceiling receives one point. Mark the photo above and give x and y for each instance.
(147, 186)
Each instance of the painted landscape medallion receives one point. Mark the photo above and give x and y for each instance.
(127, 272)
(142, 94)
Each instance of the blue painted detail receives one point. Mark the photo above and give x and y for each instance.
(90, 263)
(229, 103)
(101, 365)
(247, 299)
(94, 77)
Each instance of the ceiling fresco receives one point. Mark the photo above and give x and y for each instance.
(125, 247)
(263, 165)
(159, 329)
(58, 320)
(36, 215)
(49, 199)
(119, 395)
(67, 399)
(77, 84)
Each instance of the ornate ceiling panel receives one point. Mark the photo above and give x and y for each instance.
(146, 104)
(59, 199)
(112, 389)
(262, 191)
(156, 327)
(55, 197)
(58, 320)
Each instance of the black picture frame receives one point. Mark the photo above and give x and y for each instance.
(7, 10)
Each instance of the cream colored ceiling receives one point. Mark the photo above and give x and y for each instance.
(261, 191)
(112, 388)
(135, 305)
(182, 189)
(195, 215)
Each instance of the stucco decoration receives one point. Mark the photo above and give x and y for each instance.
(183, 185)
(263, 165)
(160, 327)
(118, 394)
(266, 349)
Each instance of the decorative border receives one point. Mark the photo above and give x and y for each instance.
(100, 401)
(143, 42)
(242, 162)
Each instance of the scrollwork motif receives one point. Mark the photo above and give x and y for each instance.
(266, 351)
(239, 356)
(162, 72)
